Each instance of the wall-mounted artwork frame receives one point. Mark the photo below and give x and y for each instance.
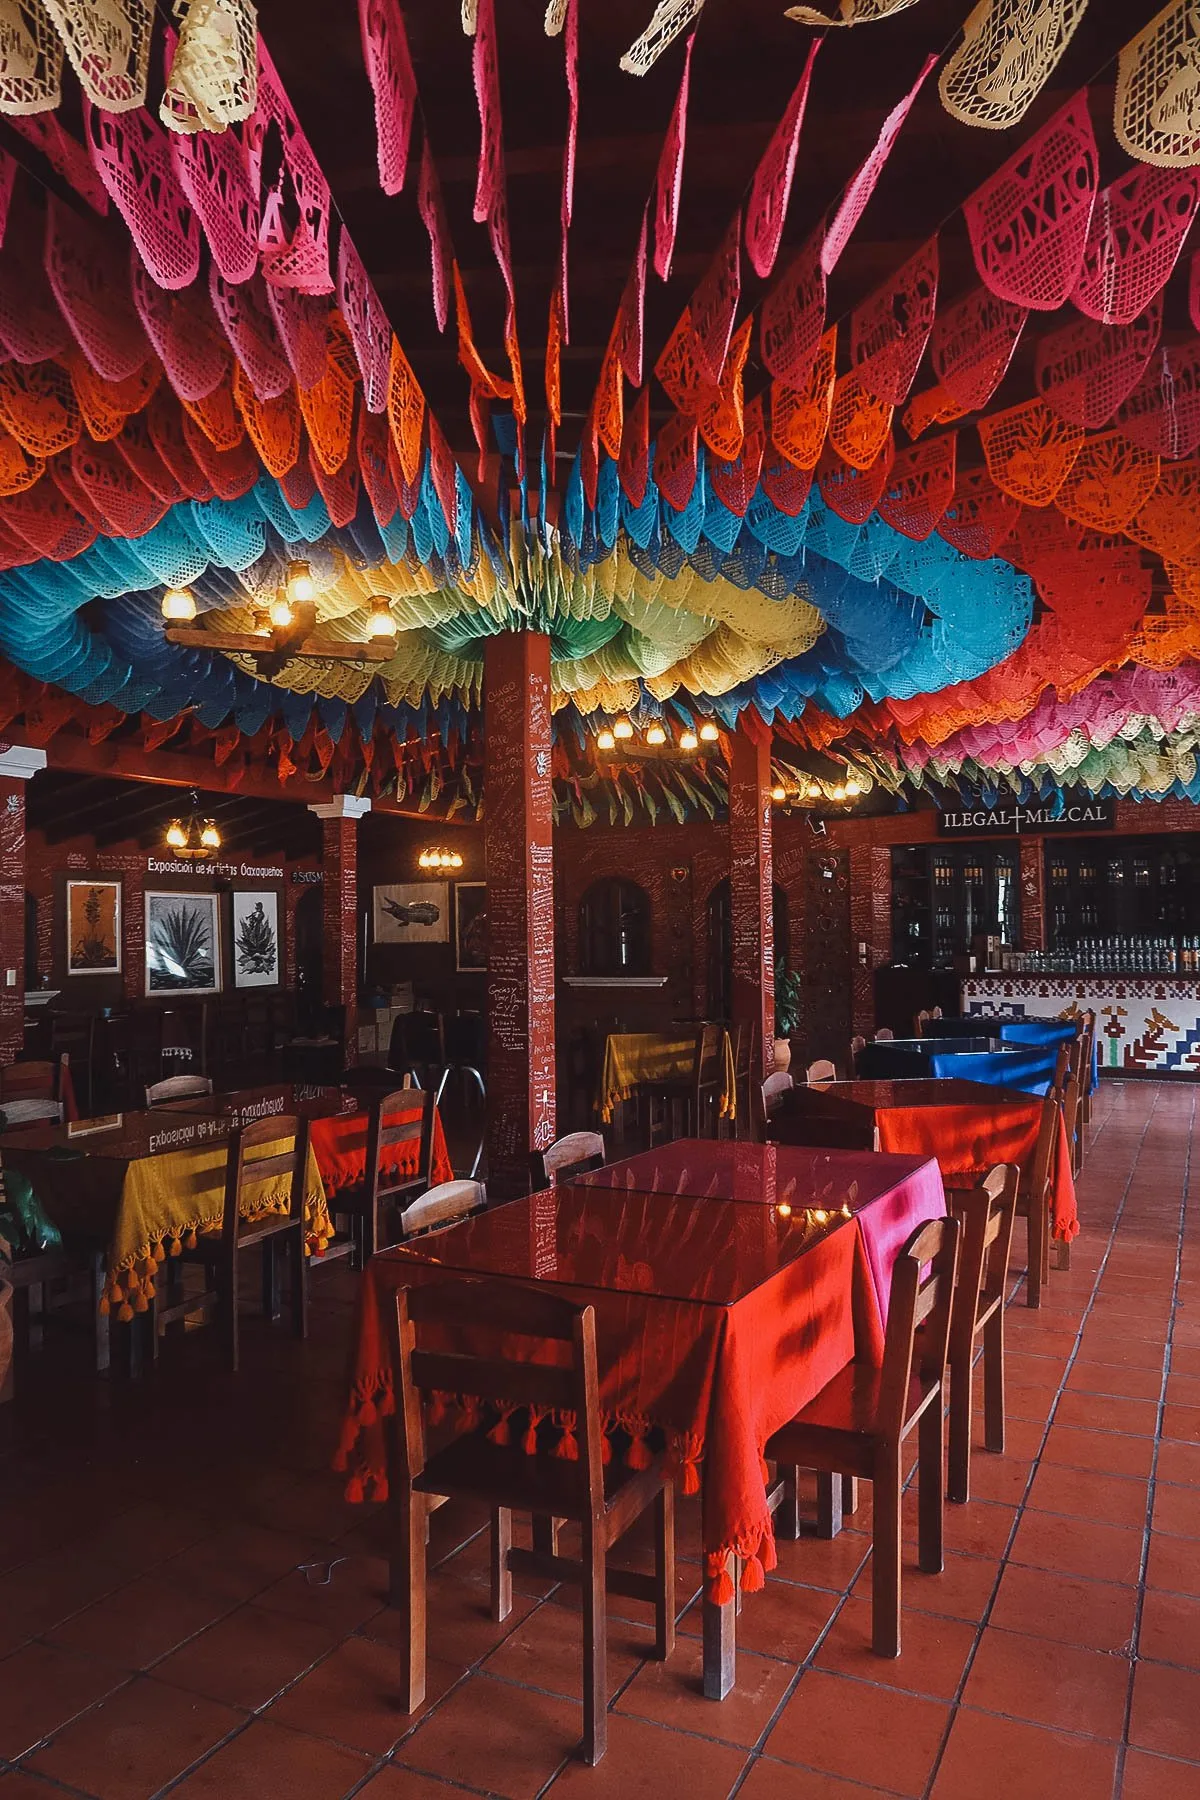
(183, 944)
(412, 912)
(256, 946)
(470, 927)
(94, 927)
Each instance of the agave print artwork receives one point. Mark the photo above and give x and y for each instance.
(182, 945)
(256, 940)
(93, 928)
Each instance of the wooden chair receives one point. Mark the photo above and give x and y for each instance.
(1078, 1075)
(220, 1255)
(443, 1205)
(1033, 1200)
(603, 1499)
(1085, 1099)
(857, 1043)
(820, 1072)
(15, 1113)
(178, 1087)
(986, 1215)
(30, 1081)
(567, 1157)
(694, 1097)
(771, 1094)
(858, 1423)
(379, 1194)
(745, 1046)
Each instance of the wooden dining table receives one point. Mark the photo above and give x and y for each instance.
(730, 1282)
(141, 1182)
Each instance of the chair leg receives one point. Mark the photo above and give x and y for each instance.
(299, 1274)
(501, 1573)
(885, 1554)
(959, 1486)
(409, 1513)
(229, 1295)
(270, 1280)
(829, 1505)
(545, 1534)
(103, 1338)
(931, 1481)
(993, 1382)
(787, 1515)
(664, 1569)
(1033, 1271)
(595, 1648)
(849, 1495)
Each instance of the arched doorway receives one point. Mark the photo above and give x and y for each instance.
(720, 944)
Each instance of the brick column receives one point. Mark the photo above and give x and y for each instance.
(870, 927)
(518, 816)
(1032, 881)
(17, 763)
(339, 896)
(750, 885)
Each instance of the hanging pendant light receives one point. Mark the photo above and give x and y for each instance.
(380, 623)
(178, 605)
(300, 583)
(189, 835)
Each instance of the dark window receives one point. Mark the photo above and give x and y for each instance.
(720, 945)
(614, 929)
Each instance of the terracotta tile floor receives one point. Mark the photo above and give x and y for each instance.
(187, 1604)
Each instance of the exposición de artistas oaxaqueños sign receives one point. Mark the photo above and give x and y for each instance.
(1076, 811)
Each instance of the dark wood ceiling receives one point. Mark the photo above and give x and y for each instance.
(748, 57)
(110, 811)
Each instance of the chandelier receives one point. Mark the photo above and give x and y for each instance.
(193, 836)
(437, 858)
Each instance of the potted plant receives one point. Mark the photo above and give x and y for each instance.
(787, 1015)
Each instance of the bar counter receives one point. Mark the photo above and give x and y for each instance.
(1145, 1024)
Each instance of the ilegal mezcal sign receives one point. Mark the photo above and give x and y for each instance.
(1073, 810)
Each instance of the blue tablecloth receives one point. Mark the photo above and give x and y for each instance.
(907, 1058)
(1047, 1031)
(1030, 1070)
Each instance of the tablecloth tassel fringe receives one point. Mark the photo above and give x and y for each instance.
(753, 1578)
(436, 1408)
(103, 1308)
(567, 1446)
(125, 1312)
(638, 1454)
(606, 1449)
(720, 1582)
(177, 1246)
(529, 1442)
(689, 1476)
(368, 1413)
(768, 1556)
(501, 1432)
(471, 1411)
(160, 1254)
(190, 1241)
(379, 1487)
(355, 1490)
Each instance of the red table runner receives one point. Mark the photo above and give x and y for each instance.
(969, 1140)
(340, 1146)
(716, 1321)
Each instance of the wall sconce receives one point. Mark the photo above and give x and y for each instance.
(439, 859)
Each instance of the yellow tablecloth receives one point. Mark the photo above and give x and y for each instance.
(635, 1059)
(166, 1201)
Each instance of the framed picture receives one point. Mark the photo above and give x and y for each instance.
(256, 940)
(93, 928)
(470, 926)
(182, 944)
(415, 912)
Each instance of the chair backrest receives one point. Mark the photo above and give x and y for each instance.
(773, 1088)
(443, 1205)
(260, 1152)
(821, 1071)
(416, 1038)
(464, 1035)
(567, 1157)
(918, 1326)
(745, 1039)
(29, 1081)
(382, 1135)
(857, 1043)
(884, 1035)
(1035, 1183)
(425, 1318)
(178, 1087)
(986, 1213)
(14, 1113)
(920, 1021)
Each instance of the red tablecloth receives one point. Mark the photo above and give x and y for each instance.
(716, 1321)
(340, 1145)
(969, 1140)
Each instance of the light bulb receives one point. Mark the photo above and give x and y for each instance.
(210, 837)
(423, 861)
(380, 623)
(853, 786)
(280, 613)
(784, 1209)
(814, 790)
(839, 792)
(178, 605)
(778, 793)
(622, 729)
(456, 861)
(688, 740)
(176, 836)
(656, 735)
(605, 740)
(300, 584)
(709, 733)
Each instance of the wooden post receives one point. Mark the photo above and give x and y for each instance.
(870, 926)
(17, 763)
(750, 884)
(1032, 877)
(339, 897)
(518, 847)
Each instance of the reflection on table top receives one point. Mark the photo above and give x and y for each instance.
(178, 1124)
(885, 1096)
(674, 1244)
